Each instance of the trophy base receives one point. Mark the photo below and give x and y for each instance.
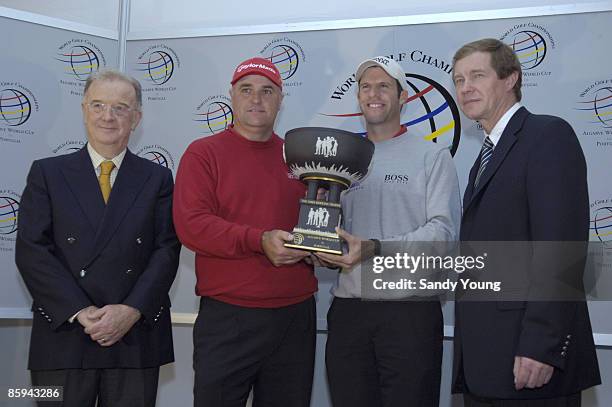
(306, 240)
(316, 229)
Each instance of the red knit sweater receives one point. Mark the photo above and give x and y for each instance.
(228, 191)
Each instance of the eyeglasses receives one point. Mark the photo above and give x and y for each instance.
(118, 110)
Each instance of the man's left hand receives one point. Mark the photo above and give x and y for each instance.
(530, 373)
(114, 321)
(349, 259)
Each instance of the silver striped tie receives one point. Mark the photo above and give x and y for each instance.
(485, 155)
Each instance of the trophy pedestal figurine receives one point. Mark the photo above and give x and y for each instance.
(332, 159)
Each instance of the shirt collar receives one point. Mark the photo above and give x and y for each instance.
(501, 124)
(96, 158)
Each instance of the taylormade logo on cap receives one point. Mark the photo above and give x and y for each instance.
(252, 65)
(258, 66)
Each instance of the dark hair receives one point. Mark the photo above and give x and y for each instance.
(503, 59)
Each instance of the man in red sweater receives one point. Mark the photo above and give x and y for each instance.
(234, 200)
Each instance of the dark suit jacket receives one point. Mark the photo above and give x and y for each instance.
(73, 251)
(533, 189)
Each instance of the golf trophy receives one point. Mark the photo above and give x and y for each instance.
(332, 159)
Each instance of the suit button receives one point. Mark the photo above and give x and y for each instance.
(128, 271)
(138, 240)
(569, 336)
(565, 348)
(40, 309)
(567, 342)
(71, 240)
(82, 273)
(563, 353)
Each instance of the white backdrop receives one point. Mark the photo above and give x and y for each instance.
(185, 80)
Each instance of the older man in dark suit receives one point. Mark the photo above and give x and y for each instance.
(527, 185)
(97, 250)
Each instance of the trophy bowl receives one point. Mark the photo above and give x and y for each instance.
(328, 155)
(329, 158)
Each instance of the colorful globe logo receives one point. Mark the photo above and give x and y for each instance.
(9, 209)
(433, 109)
(158, 68)
(81, 62)
(601, 225)
(599, 108)
(286, 60)
(602, 106)
(217, 118)
(156, 157)
(15, 107)
(530, 48)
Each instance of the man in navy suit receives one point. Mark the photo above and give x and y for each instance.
(527, 185)
(97, 250)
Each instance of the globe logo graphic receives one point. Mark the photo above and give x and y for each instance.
(158, 68)
(217, 118)
(530, 48)
(601, 225)
(156, 157)
(433, 111)
(285, 59)
(599, 108)
(81, 62)
(602, 106)
(14, 107)
(9, 208)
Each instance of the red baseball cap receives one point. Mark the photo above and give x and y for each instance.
(258, 66)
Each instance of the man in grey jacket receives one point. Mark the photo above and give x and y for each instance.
(389, 353)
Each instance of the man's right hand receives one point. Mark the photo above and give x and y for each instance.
(272, 243)
(84, 316)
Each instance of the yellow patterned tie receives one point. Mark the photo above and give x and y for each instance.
(104, 179)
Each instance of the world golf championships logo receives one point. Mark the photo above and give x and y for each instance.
(214, 114)
(157, 154)
(529, 47)
(69, 146)
(601, 225)
(157, 66)
(598, 107)
(15, 107)
(430, 109)
(9, 211)
(286, 60)
(80, 61)
(287, 55)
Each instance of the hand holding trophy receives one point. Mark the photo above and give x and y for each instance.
(330, 158)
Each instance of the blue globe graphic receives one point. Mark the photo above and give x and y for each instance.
(15, 107)
(9, 210)
(602, 225)
(530, 48)
(83, 61)
(432, 110)
(156, 157)
(160, 67)
(286, 60)
(602, 105)
(218, 116)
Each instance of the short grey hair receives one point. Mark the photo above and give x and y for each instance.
(114, 75)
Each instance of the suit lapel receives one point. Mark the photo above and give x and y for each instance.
(503, 147)
(130, 180)
(469, 190)
(82, 181)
